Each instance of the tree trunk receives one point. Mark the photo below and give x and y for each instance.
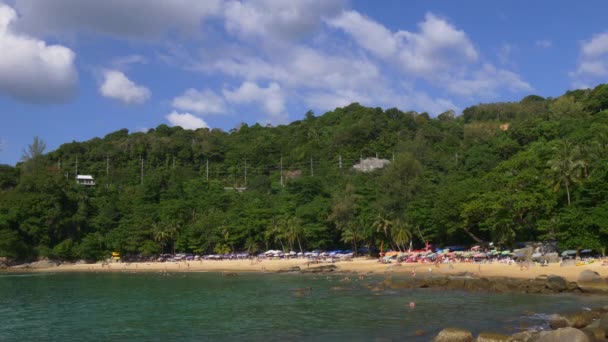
(300, 245)
(568, 192)
(478, 240)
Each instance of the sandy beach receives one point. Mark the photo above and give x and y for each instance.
(357, 265)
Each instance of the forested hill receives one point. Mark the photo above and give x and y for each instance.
(503, 172)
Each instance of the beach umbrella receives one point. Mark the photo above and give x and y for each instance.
(536, 255)
(505, 253)
(568, 252)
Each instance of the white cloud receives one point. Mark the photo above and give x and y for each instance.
(117, 86)
(438, 46)
(485, 82)
(593, 61)
(31, 70)
(202, 102)
(124, 61)
(186, 120)
(543, 43)
(142, 19)
(271, 98)
(278, 18)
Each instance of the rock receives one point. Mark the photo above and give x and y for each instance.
(491, 337)
(603, 322)
(594, 334)
(563, 335)
(289, 269)
(557, 283)
(43, 264)
(454, 335)
(590, 281)
(320, 269)
(551, 258)
(578, 319)
(524, 336)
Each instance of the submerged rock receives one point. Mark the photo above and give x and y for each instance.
(454, 335)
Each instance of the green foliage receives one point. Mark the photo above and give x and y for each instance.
(487, 175)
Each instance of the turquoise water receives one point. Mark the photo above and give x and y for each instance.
(250, 307)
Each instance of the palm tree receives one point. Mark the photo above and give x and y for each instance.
(567, 166)
(401, 233)
(383, 224)
(293, 231)
(163, 234)
(276, 233)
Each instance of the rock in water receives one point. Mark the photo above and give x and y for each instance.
(289, 269)
(557, 283)
(454, 335)
(563, 335)
(525, 336)
(590, 281)
(578, 319)
(492, 337)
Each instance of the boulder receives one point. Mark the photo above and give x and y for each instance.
(590, 281)
(551, 258)
(492, 337)
(578, 319)
(524, 336)
(289, 269)
(563, 335)
(594, 334)
(603, 322)
(557, 283)
(454, 335)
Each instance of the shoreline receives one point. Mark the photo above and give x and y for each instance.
(357, 265)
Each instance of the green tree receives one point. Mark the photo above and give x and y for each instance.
(566, 166)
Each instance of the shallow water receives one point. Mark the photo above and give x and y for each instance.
(251, 307)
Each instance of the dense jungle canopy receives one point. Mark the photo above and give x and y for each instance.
(531, 170)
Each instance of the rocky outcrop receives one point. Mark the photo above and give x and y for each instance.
(563, 335)
(320, 269)
(289, 269)
(454, 335)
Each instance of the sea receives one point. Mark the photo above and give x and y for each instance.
(254, 307)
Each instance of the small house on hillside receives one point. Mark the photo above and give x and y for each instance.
(85, 180)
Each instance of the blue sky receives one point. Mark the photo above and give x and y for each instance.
(77, 69)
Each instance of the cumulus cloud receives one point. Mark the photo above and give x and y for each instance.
(186, 120)
(278, 18)
(486, 81)
(202, 102)
(141, 19)
(117, 86)
(436, 47)
(30, 69)
(593, 61)
(270, 98)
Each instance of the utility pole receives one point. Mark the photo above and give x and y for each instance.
(142, 169)
(282, 171)
(245, 172)
(312, 171)
(107, 166)
(76, 165)
(207, 171)
(340, 162)
(173, 163)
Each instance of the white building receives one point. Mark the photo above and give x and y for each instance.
(85, 180)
